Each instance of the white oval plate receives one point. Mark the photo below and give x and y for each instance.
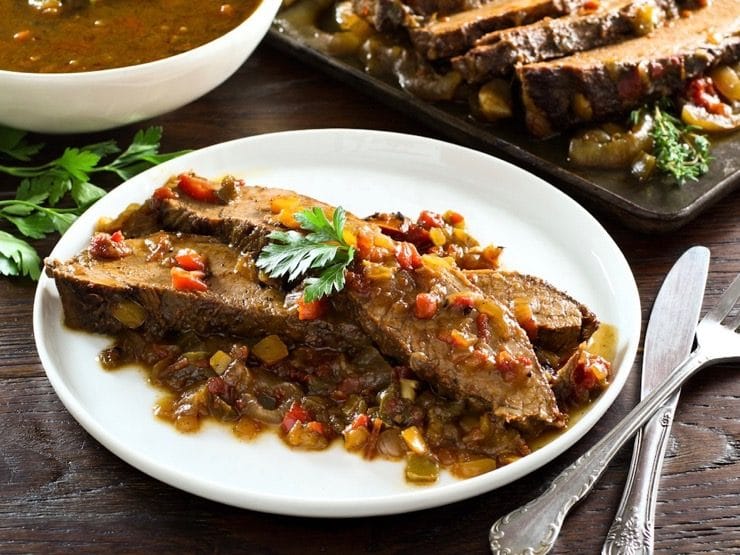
(544, 231)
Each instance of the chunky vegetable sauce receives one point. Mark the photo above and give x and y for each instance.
(314, 393)
(44, 36)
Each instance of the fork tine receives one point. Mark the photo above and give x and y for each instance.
(726, 303)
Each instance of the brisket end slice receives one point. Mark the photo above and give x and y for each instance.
(386, 312)
(560, 322)
(94, 291)
(609, 81)
(389, 15)
(448, 36)
(496, 54)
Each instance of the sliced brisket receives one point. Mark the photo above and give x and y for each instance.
(496, 364)
(612, 80)
(496, 54)
(443, 37)
(559, 322)
(388, 15)
(110, 295)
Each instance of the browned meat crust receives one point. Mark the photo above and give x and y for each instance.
(611, 80)
(562, 323)
(236, 303)
(388, 15)
(496, 54)
(448, 36)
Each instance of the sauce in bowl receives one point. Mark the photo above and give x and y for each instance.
(61, 36)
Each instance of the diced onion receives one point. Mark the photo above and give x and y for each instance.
(415, 441)
(610, 147)
(270, 350)
(494, 100)
(727, 81)
(476, 467)
(131, 314)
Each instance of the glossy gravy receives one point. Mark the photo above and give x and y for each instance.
(64, 36)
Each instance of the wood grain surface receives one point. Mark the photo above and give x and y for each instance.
(62, 492)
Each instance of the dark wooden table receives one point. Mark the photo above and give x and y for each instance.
(60, 491)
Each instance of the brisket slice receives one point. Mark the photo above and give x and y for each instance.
(561, 323)
(496, 54)
(384, 309)
(443, 37)
(612, 80)
(388, 15)
(236, 303)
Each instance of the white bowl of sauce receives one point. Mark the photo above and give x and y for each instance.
(72, 66)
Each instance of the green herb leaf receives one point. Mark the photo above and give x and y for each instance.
(143, 153)
(679, 149)
(321, 255)
(34, 212)
(13, 144)
(36, 225)
(84, 193)
(330, 281)
(34, 191)
(18, 258)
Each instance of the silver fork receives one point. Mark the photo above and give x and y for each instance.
(533, 528)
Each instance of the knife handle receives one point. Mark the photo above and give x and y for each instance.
(632, 529)
(534, 527)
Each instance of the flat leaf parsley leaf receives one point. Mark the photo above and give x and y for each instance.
(35, 211)
(321, 255)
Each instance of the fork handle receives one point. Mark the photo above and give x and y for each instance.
(632, 529)
(533, 528)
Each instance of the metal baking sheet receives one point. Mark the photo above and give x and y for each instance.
(656, 206)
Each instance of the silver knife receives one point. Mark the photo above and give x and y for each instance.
(668, 340)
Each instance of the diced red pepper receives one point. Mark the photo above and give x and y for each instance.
(407, 256)
(429, 219)
(426, 306)
(512, 367)
(484, 327)
(296, 413)
(701, 92)
(455, 338)
(590, 6)
(313, 310)
(591, 371)
(190, 259)
(453, 218)
(184, 280)
(362, 420)
(462, 301)
(104, 247)
(164, 192)
(197, 188)
(116, 236)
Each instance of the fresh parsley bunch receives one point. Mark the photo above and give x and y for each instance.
(322, 254)
(52, 195)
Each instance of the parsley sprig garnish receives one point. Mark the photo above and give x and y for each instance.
(321, 255)
(679, 150)
(51, 195)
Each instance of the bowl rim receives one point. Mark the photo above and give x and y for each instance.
(265, 8)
